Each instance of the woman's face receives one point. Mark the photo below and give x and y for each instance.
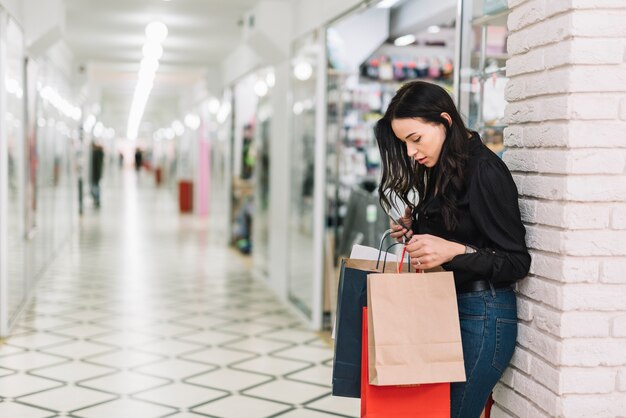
(423, 139)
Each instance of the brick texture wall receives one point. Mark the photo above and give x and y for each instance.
(566, 147)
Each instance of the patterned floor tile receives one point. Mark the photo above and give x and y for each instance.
(271, 366)
(209, 337)
(66, 399)
(20, 385)
(125, 339)
(245, 328)
(174, 369)
(306, 413)
(168, 347)
(82, 331)
(229, 380)
(79, 349)
(200, 321)
(180, 395)
(319, 375)
(124, 359)
(219, 356)
(290, 335)
(124, 383)
(303, 352)
(242, 406)
(10, 409)
(124, 408)
(37, 340)
(257, 345)
(29, 361)
(288, 392)
(337, 405)
(74, 371)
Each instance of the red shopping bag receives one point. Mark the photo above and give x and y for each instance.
(413, 401)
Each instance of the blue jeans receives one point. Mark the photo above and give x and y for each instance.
(488, 332)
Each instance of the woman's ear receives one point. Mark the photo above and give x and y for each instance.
(446, 117)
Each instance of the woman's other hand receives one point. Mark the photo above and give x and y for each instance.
(428, 251)
(404, 230)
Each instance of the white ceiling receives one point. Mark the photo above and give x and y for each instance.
(107, 36)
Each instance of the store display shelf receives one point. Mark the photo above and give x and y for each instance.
(501, 57)
(496, 19)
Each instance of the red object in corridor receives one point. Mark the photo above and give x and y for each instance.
(157, 176)
(428, 400)
(185, 196)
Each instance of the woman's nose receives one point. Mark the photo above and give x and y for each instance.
(411, 150)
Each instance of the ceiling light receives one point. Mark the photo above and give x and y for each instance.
(156, 32)
(298, 108)
(224, 111)
(214, 106)
(260, 88)
(98, 130)
(192, 121)
(434, 29)
(152, 50)
(387, 4)
(303, 71)
(89, 123)
(178, 127)
(404, 40)
(169, 134)
(270, 79)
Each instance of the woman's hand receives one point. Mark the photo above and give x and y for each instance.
(403, 230)
(428, 251)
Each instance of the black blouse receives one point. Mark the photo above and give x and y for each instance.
(489, 221)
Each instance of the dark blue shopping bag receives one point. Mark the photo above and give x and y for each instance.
(351, 299)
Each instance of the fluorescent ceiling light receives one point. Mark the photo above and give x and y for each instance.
(260, 88)
(192, 121)
(434, 29)
(152, 50)
(270, 79)
(386, 4)
(298, 108)
(214, 106)
(404, 40)
(178, 127)
(156, 32)
(98, 130)
(303, 71)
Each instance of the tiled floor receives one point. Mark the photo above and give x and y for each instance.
(143, 315)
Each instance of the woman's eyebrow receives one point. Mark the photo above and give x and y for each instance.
(410, 135)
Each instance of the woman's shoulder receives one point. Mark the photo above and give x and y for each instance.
(485, 164)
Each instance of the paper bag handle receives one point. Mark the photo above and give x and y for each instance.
(382, 241)
(385, 259)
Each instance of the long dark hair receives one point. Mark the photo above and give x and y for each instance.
(401, 175)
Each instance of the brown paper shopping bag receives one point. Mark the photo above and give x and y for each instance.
(414, 331)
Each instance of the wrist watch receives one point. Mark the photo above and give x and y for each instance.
(469, 250)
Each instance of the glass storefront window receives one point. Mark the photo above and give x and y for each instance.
(483, 75)
(14, 119)
(262, 138)
(306, 54)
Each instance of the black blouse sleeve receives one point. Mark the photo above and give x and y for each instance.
(494, 208)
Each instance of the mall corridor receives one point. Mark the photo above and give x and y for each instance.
(142, 315)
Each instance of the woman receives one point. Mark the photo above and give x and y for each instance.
(467, 221)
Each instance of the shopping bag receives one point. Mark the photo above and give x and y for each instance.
(351, 298)
(414, 330)
(413, 401)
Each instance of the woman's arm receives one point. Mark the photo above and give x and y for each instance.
(494, 208)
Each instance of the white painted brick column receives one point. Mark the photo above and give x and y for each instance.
(566, 147)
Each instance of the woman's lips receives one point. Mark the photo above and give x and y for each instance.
(422, 160)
